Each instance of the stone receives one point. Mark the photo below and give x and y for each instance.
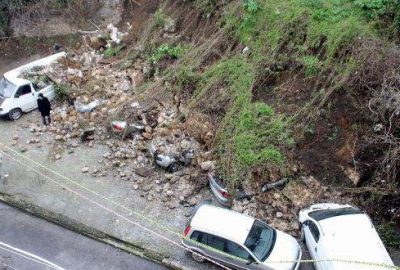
(353, 175)
(135, 187)
(143, 172)
(23, 149)
(59, 138)
(147, 136)
(147, 188)
(208, 166)
(295, 226)
(85, 169)
(279, 214)
(172, 205)
(150, 197)
(170, 193)
(193, 201)
(15, 137)
(57, 157)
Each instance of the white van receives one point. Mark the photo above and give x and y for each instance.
(18, 95)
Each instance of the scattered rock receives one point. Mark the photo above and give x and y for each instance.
(208, 166)
(85, 169)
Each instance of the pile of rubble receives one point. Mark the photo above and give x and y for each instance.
(280, 207)
(158, 147)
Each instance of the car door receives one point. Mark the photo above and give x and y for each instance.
(240, 257)
(312, 236)
(24, 98)
(224, 251)
(48, 92)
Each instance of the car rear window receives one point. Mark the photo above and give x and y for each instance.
(329, 213)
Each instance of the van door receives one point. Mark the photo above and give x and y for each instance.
(24, 98)
(312, 236)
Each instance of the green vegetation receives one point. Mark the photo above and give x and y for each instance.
(315, 37)
(389, 235)
(164, 51)
(113, 51)
(251, 134)
(61, 92)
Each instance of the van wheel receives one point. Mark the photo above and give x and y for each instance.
(15, 114)
(197, 257)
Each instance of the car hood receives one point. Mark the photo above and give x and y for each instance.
(286, 251)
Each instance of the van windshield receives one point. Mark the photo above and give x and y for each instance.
(6, 88)
(261, 240)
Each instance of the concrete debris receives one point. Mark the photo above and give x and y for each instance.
(115, 35)
(274, 185)
(83, 108)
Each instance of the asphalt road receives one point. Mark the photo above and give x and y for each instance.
(57, 245)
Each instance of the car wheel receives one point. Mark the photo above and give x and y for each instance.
(15, 114)
(197, 257)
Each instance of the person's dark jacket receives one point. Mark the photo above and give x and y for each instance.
(44, 106)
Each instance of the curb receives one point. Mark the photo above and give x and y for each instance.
(93, 233)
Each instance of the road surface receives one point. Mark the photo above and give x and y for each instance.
(57, 245)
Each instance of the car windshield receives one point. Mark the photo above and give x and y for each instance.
(261, 240)
(6, 88)
(329, 213)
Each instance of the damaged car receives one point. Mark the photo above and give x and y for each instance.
(220, 192)
(339, 236)
(19, 95)
(239, 241)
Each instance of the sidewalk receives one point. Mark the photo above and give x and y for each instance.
(34, 193)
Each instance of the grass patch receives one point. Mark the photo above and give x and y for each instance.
(389, 235)
(251, 134)
(164, 51)
(113, 51)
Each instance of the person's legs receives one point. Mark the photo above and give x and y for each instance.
(49, 119)
(44, 120)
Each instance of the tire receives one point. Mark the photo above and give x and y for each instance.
(15, 114)
(197, 258)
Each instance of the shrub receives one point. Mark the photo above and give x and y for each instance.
(113, 51)
(164, 51)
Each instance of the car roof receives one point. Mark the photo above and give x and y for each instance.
(13, 76)
(225, 223)
(354, 237)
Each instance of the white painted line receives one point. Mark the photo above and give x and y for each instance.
(29, 256)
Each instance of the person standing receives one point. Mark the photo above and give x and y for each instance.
(44, 107)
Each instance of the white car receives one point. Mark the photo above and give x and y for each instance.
(239, 241)
(18, 95)
(337, 236)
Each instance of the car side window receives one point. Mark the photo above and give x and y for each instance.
(196, 236)
(23, 90)
(236, 250)
(213, 241)
(314, 230)
(209, 240)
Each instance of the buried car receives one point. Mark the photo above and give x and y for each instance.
(18, 95)
(239, 241)
(342, 237)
